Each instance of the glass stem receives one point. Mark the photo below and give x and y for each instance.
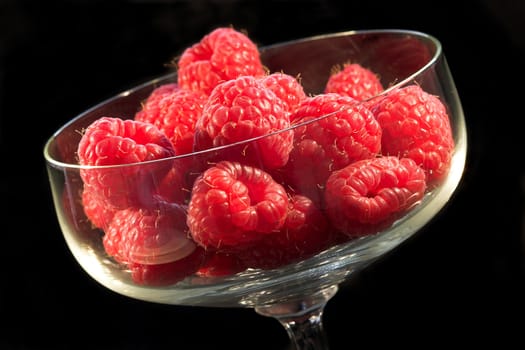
(302, 319)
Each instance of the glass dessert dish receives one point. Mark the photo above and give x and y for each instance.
(174, 269)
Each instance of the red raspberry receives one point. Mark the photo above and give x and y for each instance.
(241, 109)
(305, 233)
(168, 273)
(349, 133)
(355, 81)
(221, 55)
(173, 187)
(218, 263)
(72, 202)
(287, 88)
(416, 125)
(149, 236)
(370, 194)
(96, 209)
(398, 57)
(174, 112)
(114, 141)
(235, 205)
(158, 93)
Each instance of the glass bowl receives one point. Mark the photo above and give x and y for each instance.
(300, 287)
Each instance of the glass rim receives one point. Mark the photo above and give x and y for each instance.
(413, 33)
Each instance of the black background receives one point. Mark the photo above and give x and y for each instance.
(460, 281)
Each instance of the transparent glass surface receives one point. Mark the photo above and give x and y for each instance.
(298, 290)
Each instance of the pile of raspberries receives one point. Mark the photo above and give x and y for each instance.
(191, 195)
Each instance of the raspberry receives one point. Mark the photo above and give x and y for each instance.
(348, 134)
(218, 263)
(96, 209)
(370, 194)
(416, 125)
(221, 55)
(114, 141)
(235, 205)
(305, 233)
(241, 109)
(287, 88)
(174, 112)
(167, 273)
(152, 101)
(355, 81)
(74, 213)
(149, 236)
(398, 57)
(173, 187)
